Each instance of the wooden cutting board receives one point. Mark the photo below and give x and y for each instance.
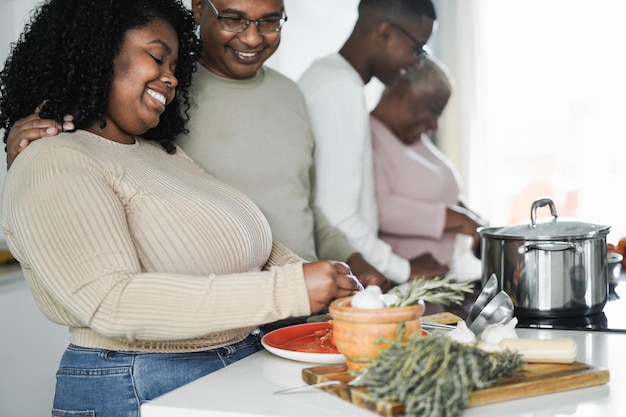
(537, 379)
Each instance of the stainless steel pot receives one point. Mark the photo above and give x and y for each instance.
(550, 269)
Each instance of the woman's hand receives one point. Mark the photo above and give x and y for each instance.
(367, 274)
(328, 280)
(426, 266)
(466, 222)
(31, 128)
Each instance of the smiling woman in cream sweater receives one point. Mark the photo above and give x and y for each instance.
(161, 272)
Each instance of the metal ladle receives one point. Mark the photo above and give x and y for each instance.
(486, 294)
(498, 311)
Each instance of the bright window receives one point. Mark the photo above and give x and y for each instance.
(546, 104)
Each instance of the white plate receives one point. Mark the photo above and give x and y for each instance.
(277, 338)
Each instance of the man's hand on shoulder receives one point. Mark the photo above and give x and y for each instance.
(31, 128)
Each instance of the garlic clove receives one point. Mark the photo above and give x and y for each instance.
(390, 299)
(369, 298)
(495, 333)
(462, 334)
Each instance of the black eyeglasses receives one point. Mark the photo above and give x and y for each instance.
(238, 24)
(421, 49)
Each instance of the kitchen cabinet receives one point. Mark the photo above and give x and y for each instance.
(30, 350)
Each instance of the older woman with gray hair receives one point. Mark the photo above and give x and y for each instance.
(417, 187)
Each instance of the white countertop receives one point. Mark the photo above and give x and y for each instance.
(246, 388)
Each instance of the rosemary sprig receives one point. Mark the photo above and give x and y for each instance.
(434, 376)
(438, 290)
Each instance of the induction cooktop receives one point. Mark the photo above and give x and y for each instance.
(612, 318)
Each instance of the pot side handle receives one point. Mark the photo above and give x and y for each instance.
(548, 247)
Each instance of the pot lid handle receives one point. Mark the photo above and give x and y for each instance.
(541, 203)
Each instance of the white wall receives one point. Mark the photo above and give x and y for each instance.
(316, 29)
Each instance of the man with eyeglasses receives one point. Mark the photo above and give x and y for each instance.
(389, 37)
(250, 128)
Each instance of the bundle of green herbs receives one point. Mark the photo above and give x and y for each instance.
(438, 290)
(433, 376)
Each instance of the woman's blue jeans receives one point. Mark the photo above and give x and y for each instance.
(104, 383)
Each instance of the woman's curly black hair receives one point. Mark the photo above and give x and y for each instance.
(64, 59)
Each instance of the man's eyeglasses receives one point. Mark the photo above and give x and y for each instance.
(421, 49)
(239, 24)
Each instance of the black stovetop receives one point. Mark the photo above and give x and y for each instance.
(611, 319)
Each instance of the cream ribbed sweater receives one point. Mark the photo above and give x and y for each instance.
(135, 249)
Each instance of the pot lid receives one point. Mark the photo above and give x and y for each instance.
(547, 230)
